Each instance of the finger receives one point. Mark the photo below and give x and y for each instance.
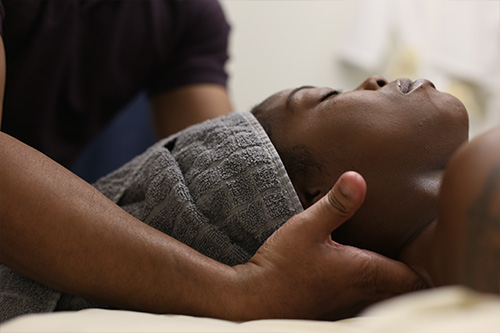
(384, 277)
(341, 202)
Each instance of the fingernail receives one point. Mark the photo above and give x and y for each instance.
(346, 190)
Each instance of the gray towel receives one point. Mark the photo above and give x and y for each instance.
(219, 187)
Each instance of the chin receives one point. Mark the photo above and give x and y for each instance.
(457, 112)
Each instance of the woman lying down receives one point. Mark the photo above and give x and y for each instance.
(224, 186)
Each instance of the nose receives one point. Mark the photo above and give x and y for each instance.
(374, 82)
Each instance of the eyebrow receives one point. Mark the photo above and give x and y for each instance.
(289, 99)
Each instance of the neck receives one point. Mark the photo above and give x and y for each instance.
(417, 254)
(418, 251)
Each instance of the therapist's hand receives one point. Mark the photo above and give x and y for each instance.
(301, 273)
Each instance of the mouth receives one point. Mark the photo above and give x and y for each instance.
(406, 86)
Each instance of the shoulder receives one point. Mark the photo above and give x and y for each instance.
(2, 15)
(470, 213)
(204, 7)
(477, 159)
(474, 168)
(201, 15)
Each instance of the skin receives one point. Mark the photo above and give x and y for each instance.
(60, 231)
(400, 143)
(295, 274)
(177, 109)
(432, 194)
(465, 248)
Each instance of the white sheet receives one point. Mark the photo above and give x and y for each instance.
(451, 309)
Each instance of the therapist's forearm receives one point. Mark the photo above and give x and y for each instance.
(189, 105)
(60, 231)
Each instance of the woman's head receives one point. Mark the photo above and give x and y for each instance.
(398, 135)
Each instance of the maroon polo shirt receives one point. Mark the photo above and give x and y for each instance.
(73, 64)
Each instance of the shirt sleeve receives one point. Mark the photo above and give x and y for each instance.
(2, 16)
(201, 50)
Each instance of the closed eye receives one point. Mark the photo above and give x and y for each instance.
(330, 94)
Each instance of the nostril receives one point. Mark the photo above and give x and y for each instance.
(381, 83)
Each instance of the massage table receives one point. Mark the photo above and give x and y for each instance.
(448, 309)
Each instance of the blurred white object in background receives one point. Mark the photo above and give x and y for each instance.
(287, 43)
(456, 44)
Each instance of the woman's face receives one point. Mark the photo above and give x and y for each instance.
(398, 135)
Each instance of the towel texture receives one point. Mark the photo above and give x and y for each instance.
(219, 187)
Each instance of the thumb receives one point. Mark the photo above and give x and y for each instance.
(341, 202)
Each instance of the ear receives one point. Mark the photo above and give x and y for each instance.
(315, 193)
(309, 193)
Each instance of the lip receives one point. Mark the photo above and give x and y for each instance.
(406, 86)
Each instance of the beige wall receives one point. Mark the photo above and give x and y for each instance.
(281, 44)
(278, 44)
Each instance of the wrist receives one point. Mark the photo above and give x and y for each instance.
(231, 294)
(260, 290)
(239, 293)
(221, 291)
